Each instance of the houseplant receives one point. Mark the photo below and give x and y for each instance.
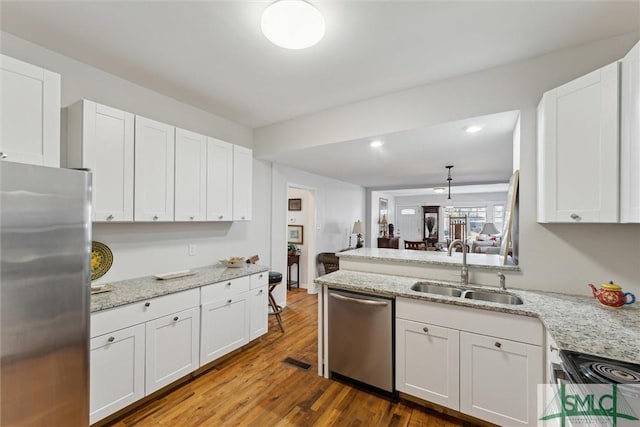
(293, 249)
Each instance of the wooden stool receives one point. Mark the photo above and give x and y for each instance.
(274, 280)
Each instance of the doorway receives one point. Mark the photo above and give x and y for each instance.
(409, 222)
(301, 232)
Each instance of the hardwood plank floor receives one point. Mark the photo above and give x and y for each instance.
(256, 388)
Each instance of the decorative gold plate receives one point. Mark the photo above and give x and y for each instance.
(101, 259)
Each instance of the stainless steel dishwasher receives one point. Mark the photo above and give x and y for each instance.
(361, 339)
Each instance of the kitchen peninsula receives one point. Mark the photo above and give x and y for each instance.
(448, 348)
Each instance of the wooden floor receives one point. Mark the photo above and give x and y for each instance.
(255, 388)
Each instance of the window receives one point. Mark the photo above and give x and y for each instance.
(407, 212)
(498, 217)
(476, 217)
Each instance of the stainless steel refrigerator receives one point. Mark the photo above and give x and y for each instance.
(45, 279)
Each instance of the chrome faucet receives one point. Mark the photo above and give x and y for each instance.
(503, 281)
(464, 273)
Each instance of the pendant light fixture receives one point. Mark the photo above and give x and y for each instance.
(449, 203)
(292, 24)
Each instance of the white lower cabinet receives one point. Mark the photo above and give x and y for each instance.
(225, 326)
(427, 362)
(172, 348)
(117, 371)
(482, 363)
(499, 378)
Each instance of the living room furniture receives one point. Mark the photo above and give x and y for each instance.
(416, 245)
(431, 218)
(390, 243)
(329, 261)
(291, 260)
(457, 228)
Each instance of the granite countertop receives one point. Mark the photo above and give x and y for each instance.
(129, 291)
(576, 323)
(479, 261)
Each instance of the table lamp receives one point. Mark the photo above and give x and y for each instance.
(489, 228)
(357, 229)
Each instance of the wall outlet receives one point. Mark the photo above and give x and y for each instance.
(192, 250)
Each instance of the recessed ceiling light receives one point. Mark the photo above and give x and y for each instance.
(292, 24)
(376, 143)
(438, 190)
(473, 129)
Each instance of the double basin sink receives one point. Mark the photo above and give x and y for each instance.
(472, 294)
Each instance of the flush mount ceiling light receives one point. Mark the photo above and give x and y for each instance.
(473, 129)
(438, 190)
(292, 24)
(376, 143)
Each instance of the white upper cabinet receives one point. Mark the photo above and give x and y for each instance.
(100, 138)
(190, 176)
(154, 170)
(30, 113)
(578, 149)
(219, 180)
(630, 137)
(242, 182)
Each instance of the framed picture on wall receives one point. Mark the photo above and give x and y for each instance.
(295, 234)
(295, 204)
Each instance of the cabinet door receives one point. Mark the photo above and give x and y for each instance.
(427, 362)
(498, 379)
(190, 176)
(219, 180)
(259, 312)
(154, 170)
(579, 145)
(242, 183)
(630, 137)
(117, 371)
(100, 138)
(30, 113)
(172, 348)
(225, 327)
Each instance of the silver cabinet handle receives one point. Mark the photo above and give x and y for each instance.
(175, 319)
(147, 304)
(111, 339)
(243, 217)
(221, 216)
(229, 301)
(497, 344)
(192, 217)
(155, 217)
(110, 217)
(260, 276)
(552, 348)
(425, 329)
(3, 155)
(575, 217)
(229, 284)
(260, 292)
(359, 301)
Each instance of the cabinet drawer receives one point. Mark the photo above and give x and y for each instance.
(224, 289)
(259, 280)
(113, 319)
(510, 326)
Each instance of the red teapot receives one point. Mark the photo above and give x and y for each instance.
(610, 295)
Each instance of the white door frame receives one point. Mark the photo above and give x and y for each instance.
(309, 236)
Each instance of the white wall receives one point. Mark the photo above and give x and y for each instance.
(338, 206)
(557, 257)
(144, 249)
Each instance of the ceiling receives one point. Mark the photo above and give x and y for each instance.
(417, 157)
(212, 55)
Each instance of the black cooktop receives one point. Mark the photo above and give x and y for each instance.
(586, 368)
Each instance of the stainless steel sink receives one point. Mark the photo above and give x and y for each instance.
(434, 288)
(501, 298)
